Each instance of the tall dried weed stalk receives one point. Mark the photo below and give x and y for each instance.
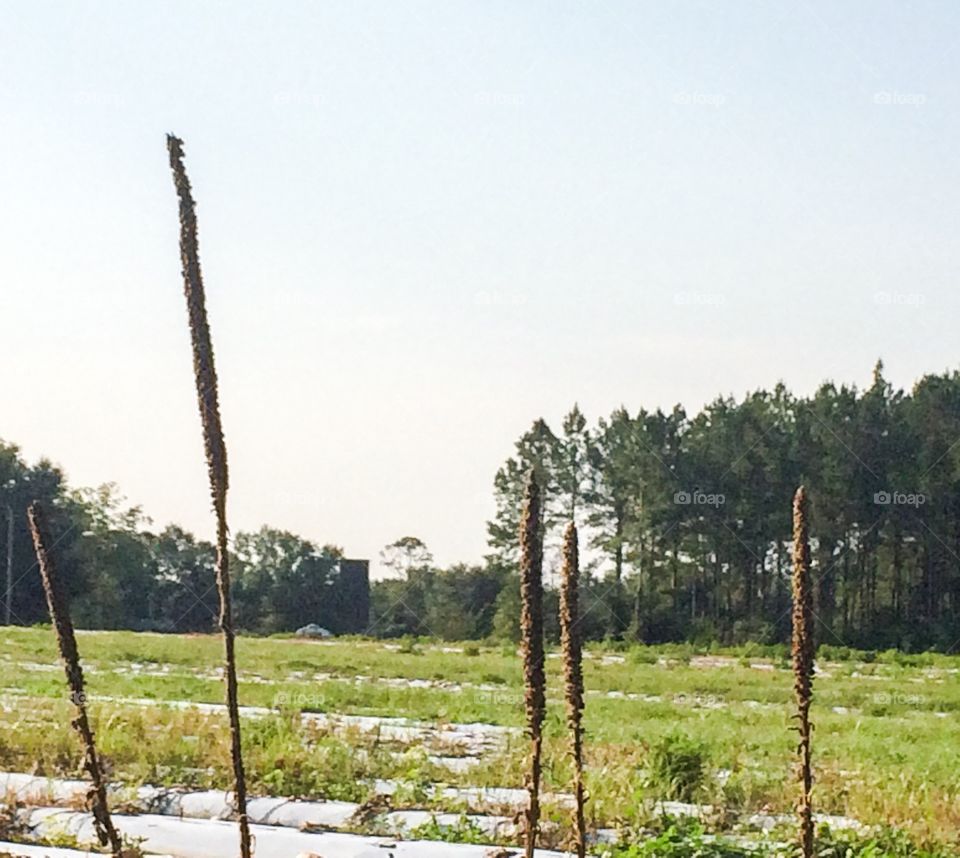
(803, 656)
(531, 635)
(216, 452)
(572, 644)
(67, 642)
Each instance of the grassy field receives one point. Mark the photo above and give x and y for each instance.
(662, 723)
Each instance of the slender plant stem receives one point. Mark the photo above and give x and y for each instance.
(8, 602)
(531, 631)
(216, 453)
(67, 643)
(803, 656)
(571, 642)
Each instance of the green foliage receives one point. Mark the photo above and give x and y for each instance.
(678, 766)
(668, 563)
(282, 581)
(20, 484)
(642, 655)
(887, 843)
(465, 830)
(882, 758)
(123, 576)
(689, 839)
(690, 513)
(686, 841)
(408, 646)
(453, 604)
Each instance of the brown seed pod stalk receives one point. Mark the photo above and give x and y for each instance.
(207, 397)
(70, 655)
(803, 657)
(531, 633)
(572, 645)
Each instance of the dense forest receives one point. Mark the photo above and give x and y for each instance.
(690, 514)
(686, 519)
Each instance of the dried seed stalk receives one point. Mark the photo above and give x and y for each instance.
(216, 452)
(67, 642)
(572, 645)
(803, 656)
(531, 632)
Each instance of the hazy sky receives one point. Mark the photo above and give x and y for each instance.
(424, 224)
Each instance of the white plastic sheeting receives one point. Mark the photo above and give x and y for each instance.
(470, 738)
(194, 838)
(24, 850)
(294, 813)
(216, 804)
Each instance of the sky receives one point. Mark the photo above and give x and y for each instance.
(425, 224)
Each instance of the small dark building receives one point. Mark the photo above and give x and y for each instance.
(354, 596)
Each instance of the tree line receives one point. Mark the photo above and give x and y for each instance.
(685, 522)
(120, 574)
(689, 514)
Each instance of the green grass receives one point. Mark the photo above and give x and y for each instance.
(690, 840)
(885, 740)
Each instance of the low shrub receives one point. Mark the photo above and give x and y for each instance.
(678, 766)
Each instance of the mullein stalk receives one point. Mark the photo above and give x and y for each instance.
(572, 644)
(531, 633)
(70, 655)
(803, 658)
(216, 453)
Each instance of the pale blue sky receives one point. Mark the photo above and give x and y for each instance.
(409, 208)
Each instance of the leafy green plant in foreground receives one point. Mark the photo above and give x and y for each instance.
(678, 766)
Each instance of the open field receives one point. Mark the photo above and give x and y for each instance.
(885, 740)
